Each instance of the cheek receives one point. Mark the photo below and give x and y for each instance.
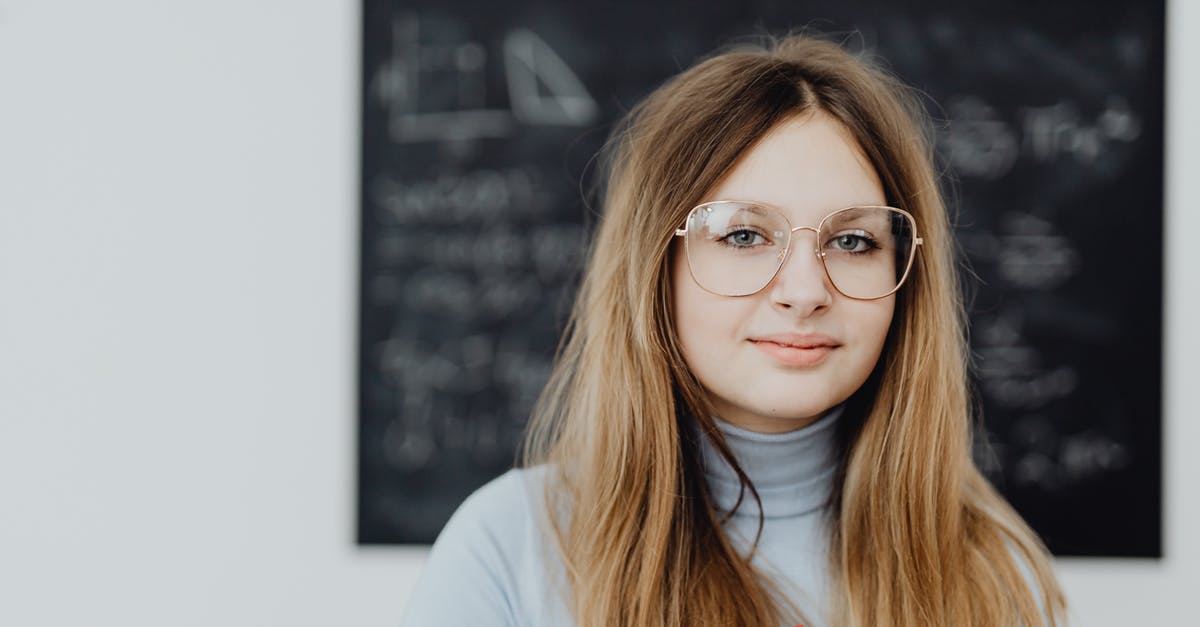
(700, 317)
(875, 322)
(687, 304)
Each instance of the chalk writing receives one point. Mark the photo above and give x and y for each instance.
(434, 84)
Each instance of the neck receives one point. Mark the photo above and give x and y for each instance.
(793, 471)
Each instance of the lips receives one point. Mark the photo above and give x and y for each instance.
(796, 340)
(796, 350)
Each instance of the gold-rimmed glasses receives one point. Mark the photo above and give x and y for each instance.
(735, 248)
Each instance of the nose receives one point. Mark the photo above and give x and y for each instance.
(801, 286)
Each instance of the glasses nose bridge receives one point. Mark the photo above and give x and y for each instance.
(787, 253)
(792, 235)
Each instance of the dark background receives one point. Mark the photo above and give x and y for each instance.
(479, 123)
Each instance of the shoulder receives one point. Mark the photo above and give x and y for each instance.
(502, 511)
(495, 521)
(496, 504)
(492, 543)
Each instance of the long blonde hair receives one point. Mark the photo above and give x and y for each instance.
(919, 537)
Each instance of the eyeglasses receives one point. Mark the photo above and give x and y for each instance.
(735, 248)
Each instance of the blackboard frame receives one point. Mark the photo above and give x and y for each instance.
(1045, 117)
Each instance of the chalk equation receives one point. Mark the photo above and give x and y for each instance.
(980, 142)
(434, 85)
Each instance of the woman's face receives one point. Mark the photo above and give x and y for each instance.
(806, 167)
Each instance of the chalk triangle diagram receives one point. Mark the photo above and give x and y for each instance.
(541, 87)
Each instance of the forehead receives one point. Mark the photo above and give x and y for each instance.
(807, 166)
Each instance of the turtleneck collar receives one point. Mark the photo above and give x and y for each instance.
(792, 471)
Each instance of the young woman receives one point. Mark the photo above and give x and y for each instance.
(760, 414)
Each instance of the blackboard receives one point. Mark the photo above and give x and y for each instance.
(480, 120)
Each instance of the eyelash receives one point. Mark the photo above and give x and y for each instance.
(870, 242)
(872, 245)
(724, 240)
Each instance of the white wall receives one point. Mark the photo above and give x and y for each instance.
(177, 287)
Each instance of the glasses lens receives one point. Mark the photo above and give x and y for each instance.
(734, 248)
(867, 250)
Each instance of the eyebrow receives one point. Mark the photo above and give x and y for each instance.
(764, 208)
(753, 206)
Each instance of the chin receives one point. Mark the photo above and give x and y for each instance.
(802, 401)
(794, 413)
(805, 415)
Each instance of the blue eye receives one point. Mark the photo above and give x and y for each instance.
(854, 243)
(742, 238)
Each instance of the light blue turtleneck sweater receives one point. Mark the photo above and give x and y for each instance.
(493, 564)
